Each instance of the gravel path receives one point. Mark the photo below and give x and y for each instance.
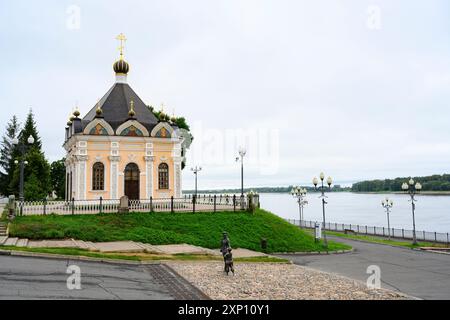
(275, 282)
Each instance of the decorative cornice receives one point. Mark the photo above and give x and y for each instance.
(114, 158)
(81, 158)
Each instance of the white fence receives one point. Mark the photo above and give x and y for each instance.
(201, 203)
(378, 231)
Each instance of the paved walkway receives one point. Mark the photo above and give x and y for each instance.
(420, 274)
(125, 246)
(36, 278)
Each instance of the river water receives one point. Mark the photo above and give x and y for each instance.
(432, 212)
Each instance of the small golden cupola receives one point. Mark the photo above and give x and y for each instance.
(131, 113)
(121, 67)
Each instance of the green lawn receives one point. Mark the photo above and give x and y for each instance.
(202, 229)
(140, 257)
(393, 242)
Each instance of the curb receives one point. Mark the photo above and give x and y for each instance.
(77, 258)
(314, 253)
(377, 243)
(430, 251)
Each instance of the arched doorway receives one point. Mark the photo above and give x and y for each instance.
(132, 181)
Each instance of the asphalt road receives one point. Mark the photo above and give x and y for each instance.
(420, 274)
(37, 278)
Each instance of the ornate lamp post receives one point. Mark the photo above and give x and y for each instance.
(323, 196)
(300, 194)
(412, 189)
(196, 170)
(242, 153)
(22, 147)
(387, 205)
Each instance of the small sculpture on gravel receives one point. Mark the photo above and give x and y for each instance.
(229, 261)
(225, 245)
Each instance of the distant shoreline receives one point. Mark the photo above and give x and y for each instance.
(424, 193)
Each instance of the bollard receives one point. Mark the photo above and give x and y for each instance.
(101, 205)
(264, 244)
(73, 206)
(215, 201)
(151, 203)
(171, 205)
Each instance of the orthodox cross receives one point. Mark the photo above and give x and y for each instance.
(121, 37)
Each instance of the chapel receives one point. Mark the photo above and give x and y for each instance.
(122, 147)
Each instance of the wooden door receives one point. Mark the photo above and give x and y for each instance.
(132, 181)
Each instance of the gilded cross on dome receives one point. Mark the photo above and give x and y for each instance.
(121, 37)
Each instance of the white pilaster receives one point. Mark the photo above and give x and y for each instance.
(149, 176)
(114, 177)
(81, 177)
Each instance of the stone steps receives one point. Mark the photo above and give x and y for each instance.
(90, 246)
(2, 239)
(148, 248)
(22, 243)
(3, 230)
(81, 244)
(11, 242)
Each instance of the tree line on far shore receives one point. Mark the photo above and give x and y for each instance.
(429, 183)
(42, 179)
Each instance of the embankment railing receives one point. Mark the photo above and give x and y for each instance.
(438, 237)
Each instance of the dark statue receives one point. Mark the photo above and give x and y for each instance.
(225, 249)
(229, 261)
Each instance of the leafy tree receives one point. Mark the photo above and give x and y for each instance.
(37, 183)
(58, 177)
(429, 183)
(7, 155)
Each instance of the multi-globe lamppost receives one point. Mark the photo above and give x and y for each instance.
(323, 196)
(300, 194)
(22, 147)
(412, 189)
(242, 153)
(387, 205)
(196, 170)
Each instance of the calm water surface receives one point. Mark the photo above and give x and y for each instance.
(432, 212)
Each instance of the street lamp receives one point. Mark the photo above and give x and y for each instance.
(387, 205)
(323, 196)
(300, 194)
(22, 147)
(242, 153)
(196, 170)
(412, 189)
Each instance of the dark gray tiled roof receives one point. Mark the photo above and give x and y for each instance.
(115, 105)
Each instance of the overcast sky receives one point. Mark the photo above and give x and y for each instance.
(358, 89)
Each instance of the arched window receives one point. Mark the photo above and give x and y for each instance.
(163, 176)
(98, 176)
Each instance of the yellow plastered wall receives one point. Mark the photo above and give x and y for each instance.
(129, 152)
(163, 153)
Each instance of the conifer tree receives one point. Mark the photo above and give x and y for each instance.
(37, 183)
(7, 155)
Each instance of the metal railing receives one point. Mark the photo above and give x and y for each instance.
(406, 234)
(188, 203)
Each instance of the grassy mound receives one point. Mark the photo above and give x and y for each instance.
(201, 229)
